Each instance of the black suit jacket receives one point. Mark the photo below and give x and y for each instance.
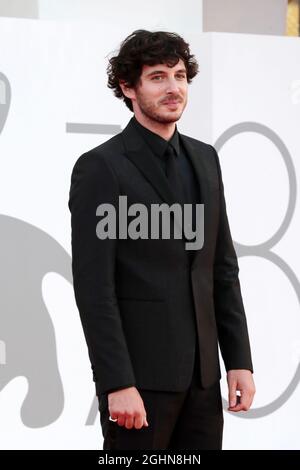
(143, 303)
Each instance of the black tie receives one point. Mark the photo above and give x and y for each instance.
(173, 174)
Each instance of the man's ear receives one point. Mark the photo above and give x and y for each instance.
(127, 91)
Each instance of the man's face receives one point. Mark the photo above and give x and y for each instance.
(161, 93)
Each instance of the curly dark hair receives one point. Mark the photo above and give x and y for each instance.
(147, 48)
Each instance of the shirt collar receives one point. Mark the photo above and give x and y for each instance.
(156, 142)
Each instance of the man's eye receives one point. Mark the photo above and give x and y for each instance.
(157, 77)
(181, 76)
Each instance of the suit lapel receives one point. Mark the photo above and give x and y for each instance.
(201, 172)
(199, 167)
(141, 156)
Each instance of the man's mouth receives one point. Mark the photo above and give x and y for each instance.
(171, 102)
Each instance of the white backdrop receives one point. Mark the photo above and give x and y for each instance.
(52, 81)
(256, 108)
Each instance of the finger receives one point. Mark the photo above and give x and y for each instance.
(112, 419)
(121, 420)
(242, 403)
(239, 406)
(232, 397)
(246, 400)
(138, 421)
(129, 422)
(146, 422)
(236, 408)
(117, 418)
(113, 416)
(251, 397)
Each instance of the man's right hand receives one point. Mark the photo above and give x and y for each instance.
(127, 407)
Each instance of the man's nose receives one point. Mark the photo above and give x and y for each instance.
(172, 86)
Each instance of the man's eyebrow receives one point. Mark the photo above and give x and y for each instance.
(155, 72)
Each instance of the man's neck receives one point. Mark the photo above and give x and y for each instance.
(164, 130)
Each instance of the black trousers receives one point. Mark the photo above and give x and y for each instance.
(192, 420)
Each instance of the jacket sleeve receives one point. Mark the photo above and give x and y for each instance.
(93, 266)
(229, 309)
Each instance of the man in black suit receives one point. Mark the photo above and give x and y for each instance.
(153, 312)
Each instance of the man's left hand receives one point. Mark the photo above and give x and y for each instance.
(240, 380)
